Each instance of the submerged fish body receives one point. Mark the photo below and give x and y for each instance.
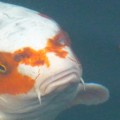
(39, 74)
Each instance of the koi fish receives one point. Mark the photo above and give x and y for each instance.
(39, 74)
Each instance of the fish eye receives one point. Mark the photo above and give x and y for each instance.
(63, 39)
(2, 68)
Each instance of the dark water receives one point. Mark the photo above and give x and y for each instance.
(94, 27)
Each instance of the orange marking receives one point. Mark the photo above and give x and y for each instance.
(11, 81)
(56, 45)
(31, 57)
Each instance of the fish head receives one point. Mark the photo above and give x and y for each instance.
(39, 73)
(36, 62)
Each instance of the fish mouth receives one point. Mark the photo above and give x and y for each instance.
(61, 80)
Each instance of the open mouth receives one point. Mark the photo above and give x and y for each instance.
(60, 80)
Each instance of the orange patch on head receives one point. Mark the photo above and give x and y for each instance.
(31, 57)
(11, 81)
(57, 44)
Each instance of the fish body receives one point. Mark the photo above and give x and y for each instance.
(39, 74)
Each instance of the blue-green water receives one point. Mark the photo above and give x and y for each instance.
(94, 27)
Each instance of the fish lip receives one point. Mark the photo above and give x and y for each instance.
(73, 72)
